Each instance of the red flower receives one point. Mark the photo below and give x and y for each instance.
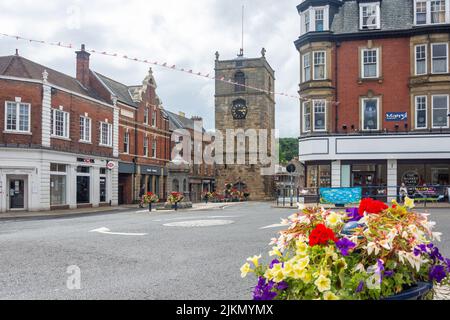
(321, 235)
(371, 206)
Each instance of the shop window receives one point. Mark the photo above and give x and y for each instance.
(318, 176)
(58, 183)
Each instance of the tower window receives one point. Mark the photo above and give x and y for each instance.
(239, 79)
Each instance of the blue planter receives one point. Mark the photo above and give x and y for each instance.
(417, 292)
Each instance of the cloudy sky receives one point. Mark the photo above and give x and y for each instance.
(185, 33)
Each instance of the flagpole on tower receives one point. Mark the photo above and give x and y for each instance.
(242, 36)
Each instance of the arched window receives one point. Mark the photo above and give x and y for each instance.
(239, 79)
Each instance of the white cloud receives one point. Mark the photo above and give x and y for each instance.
(185, 33)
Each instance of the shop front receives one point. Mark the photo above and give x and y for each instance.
(318, 175)
(152, 177)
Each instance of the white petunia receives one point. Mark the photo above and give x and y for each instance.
(437, 236)
(372, 248)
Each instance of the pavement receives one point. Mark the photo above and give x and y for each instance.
(136, 255)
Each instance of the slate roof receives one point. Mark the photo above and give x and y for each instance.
(395, 15)
(121, 90)
(20, 67)
(178, 122)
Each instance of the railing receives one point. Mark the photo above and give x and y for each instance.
(426, 193)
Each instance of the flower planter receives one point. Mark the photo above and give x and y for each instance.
(417, 292)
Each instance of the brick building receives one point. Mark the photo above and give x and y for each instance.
(376, 82)
(58, 146)
(184, 174)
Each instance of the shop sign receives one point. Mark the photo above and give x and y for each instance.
(340, 195)
(396, 116)
(85, 160)
(110, 165)
(411, 178)
(427, 191)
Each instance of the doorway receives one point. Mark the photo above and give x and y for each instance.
(17, 193)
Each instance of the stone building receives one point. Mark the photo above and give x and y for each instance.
(239, 107)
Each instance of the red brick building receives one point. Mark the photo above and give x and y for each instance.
(57, 146)
(375, 87)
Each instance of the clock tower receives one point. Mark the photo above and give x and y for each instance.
(248, 104)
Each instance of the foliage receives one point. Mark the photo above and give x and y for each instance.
(288, 149)
(150, 197)
(370, 252)
(175, 197)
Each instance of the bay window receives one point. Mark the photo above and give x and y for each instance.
(85, 129)
(319, 65)
(306, 67)
(440, 111)
(306, 116)
(17, 117)
(59, 123)
(370, 114)
(421, 112)
(439, 53)
(105, 134)
(319, 115)
(431, 12)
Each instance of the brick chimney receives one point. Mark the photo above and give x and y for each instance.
(83, 66)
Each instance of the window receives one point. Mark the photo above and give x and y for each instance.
(421, 112)
(369, 15)
(319, 65)
(439, 53)
(146, 147)
(370, 63)
(58, 174)
(154, 118)
(437, 9)
(440, 111)
(319, 115)
(370, 114)
(421, 12)
(60, 123)
(105, 134)
(17, 117)
(306, 116)
(319, 17)
(85, 129)
(146, 114)
(102, 185)
(239, 79)
(154, 148)
(307, 21)
(421, 59)
(306, 67)
(126, 142)
(431, 12)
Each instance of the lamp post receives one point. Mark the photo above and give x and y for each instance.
(291, 169)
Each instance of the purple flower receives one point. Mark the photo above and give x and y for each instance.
(353, 214)
(282, 286)
(360, 287)
(436, 255)
(380, 265)
(274, 262)
(447, 262)
(437, 273)
(389, 273)
(263, 291)
(344, 245)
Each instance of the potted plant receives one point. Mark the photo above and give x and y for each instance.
(175, 198)
(149, 198)
(371, 252)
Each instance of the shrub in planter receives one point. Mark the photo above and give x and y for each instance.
(370, 252)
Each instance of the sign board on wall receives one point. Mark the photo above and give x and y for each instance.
(396, 116)
(340, 195)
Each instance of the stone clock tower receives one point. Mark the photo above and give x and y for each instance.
(240, 107)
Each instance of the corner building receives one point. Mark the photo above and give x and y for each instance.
(375, 86)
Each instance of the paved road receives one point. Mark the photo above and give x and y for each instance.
(167, 262)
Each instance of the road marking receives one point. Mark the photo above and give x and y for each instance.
(279, 225)
(196, 217)
(199, 223)
(107, 231)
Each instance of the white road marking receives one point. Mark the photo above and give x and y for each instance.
(279, 225)
(107, 231)
(198, 217)
(199, 223)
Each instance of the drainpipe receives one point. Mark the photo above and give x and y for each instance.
(336, 94)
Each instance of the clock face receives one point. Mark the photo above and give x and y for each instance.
(239, 111)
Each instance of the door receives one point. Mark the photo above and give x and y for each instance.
(16, 194)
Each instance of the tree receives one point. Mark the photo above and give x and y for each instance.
(288, 149)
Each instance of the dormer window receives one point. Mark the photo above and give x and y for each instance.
(315, 19)
(431, 12)
(369, 16)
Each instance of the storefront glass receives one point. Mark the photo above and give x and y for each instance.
(58, 183)
(83, 185)
(318, 176)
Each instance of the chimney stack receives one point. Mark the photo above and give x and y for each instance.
(83, 66)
